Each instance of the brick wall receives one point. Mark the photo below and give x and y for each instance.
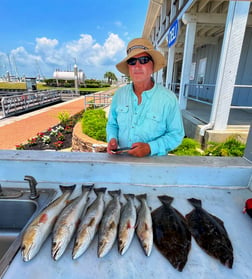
(83, 143)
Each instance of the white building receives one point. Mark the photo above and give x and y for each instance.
(208, 45)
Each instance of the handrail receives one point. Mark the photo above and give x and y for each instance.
(98, 99)
(199, 98)
(12, 105)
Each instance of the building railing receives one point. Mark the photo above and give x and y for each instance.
(204, 93)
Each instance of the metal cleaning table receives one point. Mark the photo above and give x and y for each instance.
(223, 185)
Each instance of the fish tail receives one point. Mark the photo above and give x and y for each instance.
(166, 200)
(67, 188)
(194, 202)
(86, 187)
(114, 193)
(141, 197)
(100, 190)
(129, 196)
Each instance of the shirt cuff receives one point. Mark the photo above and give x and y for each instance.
(153, 147)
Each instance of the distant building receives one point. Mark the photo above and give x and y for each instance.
(208, 46)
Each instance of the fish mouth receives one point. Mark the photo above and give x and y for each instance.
(121, 250)
(75, 251)
(25, 254)
(121, 247)
(55, 251)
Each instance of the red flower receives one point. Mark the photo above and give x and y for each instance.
(58, 144)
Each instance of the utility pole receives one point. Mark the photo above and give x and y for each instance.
(76, 78)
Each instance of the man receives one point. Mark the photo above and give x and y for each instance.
(144, 116)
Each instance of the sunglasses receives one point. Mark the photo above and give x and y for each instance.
(142, 60)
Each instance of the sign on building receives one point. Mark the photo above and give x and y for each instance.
(173, 33)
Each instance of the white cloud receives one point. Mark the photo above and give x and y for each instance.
(44, 44)
(92, 57)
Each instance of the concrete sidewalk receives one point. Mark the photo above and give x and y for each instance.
(16, 130)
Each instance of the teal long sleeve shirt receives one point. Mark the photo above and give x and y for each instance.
(156, 121)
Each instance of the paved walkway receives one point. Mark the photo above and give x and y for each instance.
(16, 130)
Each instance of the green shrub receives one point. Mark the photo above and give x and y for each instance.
(94, 124)
(231, 147)
(188, 147)
(64, 117)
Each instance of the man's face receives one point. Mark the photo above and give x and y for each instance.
(141, 72)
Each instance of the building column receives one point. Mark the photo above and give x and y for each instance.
(170, 65)
(190, 22)
(229, 61)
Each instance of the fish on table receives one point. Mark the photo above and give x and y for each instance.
(89, 224)
(67, 222)
(171, 234)
(210, 233)
(127, 224)
(144, 229)
(39, 229)
(109, 224)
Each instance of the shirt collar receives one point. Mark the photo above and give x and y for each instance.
(150, 92)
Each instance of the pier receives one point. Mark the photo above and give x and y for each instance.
(21, 102)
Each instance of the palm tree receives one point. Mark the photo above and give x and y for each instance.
(110, 76)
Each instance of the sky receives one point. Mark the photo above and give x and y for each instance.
(38, 37)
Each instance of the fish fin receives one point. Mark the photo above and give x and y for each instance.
(112, 225)
(142, 196)
(195, 202)
(67, 188)
(218, 220)
(166, 200)
(92, 221)
(146, 227)
(70, 201)
(77, 223)
(100, 190)
(114, 193)
(129, 196)
(86, 187)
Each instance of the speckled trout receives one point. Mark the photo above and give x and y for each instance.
(127, 224)
(89, 224)
(38, 230)
(67, 222)
(144, 225)
(109, 224)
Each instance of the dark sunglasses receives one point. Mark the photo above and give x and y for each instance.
(142, 60)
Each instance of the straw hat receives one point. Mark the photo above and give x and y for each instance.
(137, 46)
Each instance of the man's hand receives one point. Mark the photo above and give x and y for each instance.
(112, 145)
(139, 149)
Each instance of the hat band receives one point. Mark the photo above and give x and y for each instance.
(134, 47)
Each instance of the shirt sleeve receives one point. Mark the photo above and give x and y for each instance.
(112, 125)
(174, 134)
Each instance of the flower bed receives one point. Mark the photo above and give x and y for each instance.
(54, 138)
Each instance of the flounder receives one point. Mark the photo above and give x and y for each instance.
(210, 233)
(171, 234)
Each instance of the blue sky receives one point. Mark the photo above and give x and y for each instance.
(38, 37)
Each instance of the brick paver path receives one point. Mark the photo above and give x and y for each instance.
(24, 127)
